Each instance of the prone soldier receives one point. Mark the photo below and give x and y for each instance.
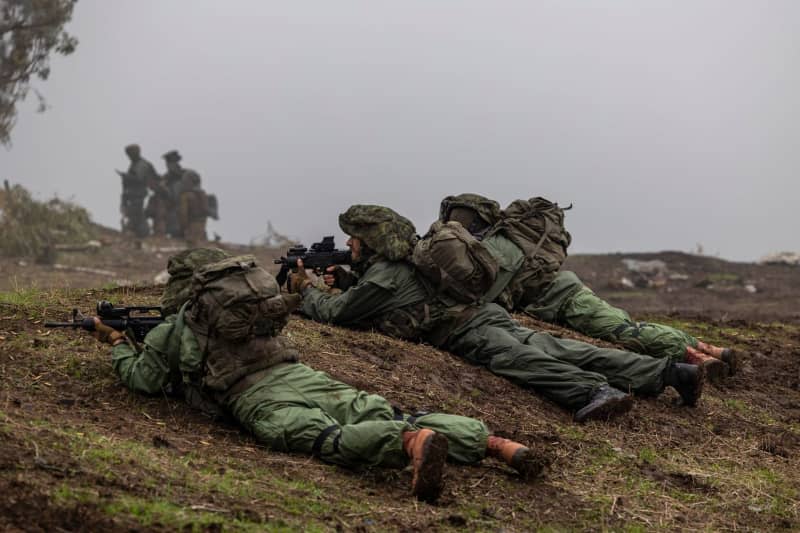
(229, 357)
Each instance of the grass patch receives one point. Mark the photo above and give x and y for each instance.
(21, 297)
(647, 455)
(724, 277)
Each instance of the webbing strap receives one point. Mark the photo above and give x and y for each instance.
(419, 414)
(500, 283)
(316, 449)
(543, 238)
(174, 353)
(412, 419)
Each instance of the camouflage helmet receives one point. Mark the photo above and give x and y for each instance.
(488, 210)
(133, 150)
(181, 267)
(383, 230)
(172, 156)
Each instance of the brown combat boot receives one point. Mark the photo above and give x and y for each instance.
(726, 355)
(517, 456)
(428, 452)
(713, 368)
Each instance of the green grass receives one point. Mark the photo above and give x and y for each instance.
(21, 297)
(724, 277)
(647, 455)
(166, 476)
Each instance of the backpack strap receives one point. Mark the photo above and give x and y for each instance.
(502, 280)
(174, 353)
(544, 236)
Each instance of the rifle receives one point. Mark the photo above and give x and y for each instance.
(136, 321)
(321, 255)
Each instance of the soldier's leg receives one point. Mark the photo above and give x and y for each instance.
(160, 221)
(136, 216)
(360, 428)
(488, 339)
(569, 302)
(466, 437)
(624, 370)
(285, 416)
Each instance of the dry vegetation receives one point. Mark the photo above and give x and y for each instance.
(78, 451)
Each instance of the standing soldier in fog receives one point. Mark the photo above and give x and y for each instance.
(159, 204)
(134, 191)
(193, 209)
(172, 180)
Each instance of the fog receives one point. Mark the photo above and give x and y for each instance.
(666, 124)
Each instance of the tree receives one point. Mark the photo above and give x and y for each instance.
(29, 31)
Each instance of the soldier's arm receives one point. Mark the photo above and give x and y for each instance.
(356, 304)
(145, 371)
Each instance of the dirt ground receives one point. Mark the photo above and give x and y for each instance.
(79, 452)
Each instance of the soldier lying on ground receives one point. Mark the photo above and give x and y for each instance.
(559, 296)
(224, 351)
(390, 296)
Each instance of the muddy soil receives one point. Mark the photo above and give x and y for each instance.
(731, 464)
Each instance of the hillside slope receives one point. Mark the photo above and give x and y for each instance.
(79, 451)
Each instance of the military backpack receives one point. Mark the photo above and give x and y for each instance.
(537, 227)
(237, 314)
(455, 262)
(181, 267)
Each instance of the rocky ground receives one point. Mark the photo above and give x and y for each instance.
(78, 451)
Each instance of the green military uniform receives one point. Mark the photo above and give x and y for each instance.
(173, 179)
(134, 191)
(566, 300)
(391, 297)
(193, 209)
(158, 206)
(290, 407)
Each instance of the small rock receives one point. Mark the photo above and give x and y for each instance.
(161, 278)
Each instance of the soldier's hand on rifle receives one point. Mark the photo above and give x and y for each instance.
(329, 277)
(107, 334)
(298, 281)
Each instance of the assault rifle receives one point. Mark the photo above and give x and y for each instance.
(321, 255)
(135, 320)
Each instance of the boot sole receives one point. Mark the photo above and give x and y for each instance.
(608, 410)
(429, 483)
(732, 359)
(698, 387)
(714, 371)
(528, 464)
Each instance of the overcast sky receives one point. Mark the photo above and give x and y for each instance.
(665, 123)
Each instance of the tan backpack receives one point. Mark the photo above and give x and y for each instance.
(456, 263)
